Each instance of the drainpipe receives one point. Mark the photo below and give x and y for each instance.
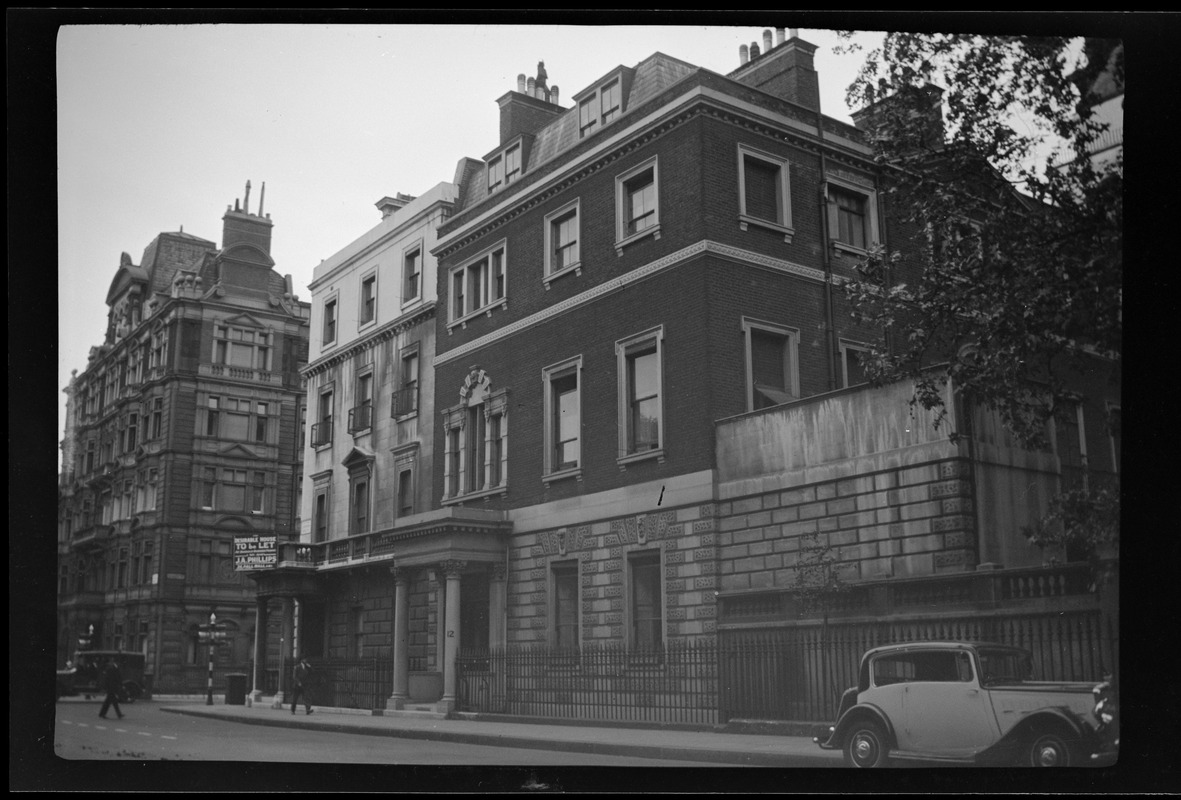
(826, 255)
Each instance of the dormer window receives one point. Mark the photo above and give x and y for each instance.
(604, 105)
(505, 168)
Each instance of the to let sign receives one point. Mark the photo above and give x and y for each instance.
(255, 552)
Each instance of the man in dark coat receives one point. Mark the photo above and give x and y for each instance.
(302, 678)
(112, 682)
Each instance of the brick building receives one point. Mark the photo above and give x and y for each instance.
(180, 434)
(651, 429)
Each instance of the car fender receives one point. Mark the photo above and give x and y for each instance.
(860, 712)
(1055, 718)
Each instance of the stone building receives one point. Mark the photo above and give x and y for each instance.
(181, 433)
(650, 426)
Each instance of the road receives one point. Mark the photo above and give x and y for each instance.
(149, 734)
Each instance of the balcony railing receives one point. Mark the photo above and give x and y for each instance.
(405, 401)
(360, 418)
(322, 432)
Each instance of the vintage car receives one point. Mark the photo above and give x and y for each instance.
(83, 676)
(971, 703)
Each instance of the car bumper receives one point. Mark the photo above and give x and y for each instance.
(1106, 756)
(826, 742)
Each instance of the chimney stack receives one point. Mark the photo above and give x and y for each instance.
(239, 226)
(743, 54)
(787, 71)
(767, 40)
(778, 36)
(530, 108)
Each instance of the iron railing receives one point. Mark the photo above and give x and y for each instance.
(674, 684)
(404, 401)
(360, 417)
(322, 432)
(792, 673)
(799, 672)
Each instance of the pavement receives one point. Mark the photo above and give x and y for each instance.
(723, 745)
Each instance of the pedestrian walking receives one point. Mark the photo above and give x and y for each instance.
(303, 676)
(112, 682)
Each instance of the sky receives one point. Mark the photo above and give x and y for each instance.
(160, 127)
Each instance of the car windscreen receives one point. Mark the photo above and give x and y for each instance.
(1004, 666)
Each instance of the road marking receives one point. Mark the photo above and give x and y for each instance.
(162, 736)
(143, 733)
(100, 727)
(121, 730)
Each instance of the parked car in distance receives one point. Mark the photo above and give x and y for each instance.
(83, 676)
(971, 703)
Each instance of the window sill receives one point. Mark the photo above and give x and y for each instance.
(321, 446)
(745, 222)
(485, 310)
(369, 323)
(483, 493)
(407, 303)
(654, 232)
(573, 472)
(409, 415)
(576, 268)
(841, 247)
(632, 458)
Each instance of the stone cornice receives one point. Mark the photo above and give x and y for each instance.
(372, 339)
(695, 250)
(803, 137)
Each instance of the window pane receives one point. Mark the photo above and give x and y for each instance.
(232, 497)
(850, 218)
(566, 422)
(762, 189)
(641, 203)
(236, 426)
(769, 364)
(646, 602)
(566, 607)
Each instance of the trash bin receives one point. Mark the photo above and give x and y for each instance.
(236, 689)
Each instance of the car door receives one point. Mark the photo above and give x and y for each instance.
(946, 711)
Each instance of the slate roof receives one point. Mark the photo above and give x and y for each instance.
(652, 76)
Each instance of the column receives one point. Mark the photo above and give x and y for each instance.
(260, 647)
(452, 570)
(497, 626)
(401, 681)
(497, 605)
(285, 637)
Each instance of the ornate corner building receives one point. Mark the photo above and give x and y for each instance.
(181, 433)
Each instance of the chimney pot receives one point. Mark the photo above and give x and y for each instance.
(766, 39)
(778, 36)
(743, 54)
(532, 88)
(754, 50)
(553, 95)
(521, 83)
(793, 33)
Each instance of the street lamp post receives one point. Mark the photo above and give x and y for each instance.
(212, 644)
(212, 635)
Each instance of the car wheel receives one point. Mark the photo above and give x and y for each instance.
(1048, 749)
(865, 746)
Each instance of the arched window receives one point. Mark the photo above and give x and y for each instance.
(475, 438)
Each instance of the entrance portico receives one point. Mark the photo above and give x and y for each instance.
(458, 544)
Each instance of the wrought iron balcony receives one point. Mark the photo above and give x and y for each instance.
(361, 417)
(405, 401)
(322, 432)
